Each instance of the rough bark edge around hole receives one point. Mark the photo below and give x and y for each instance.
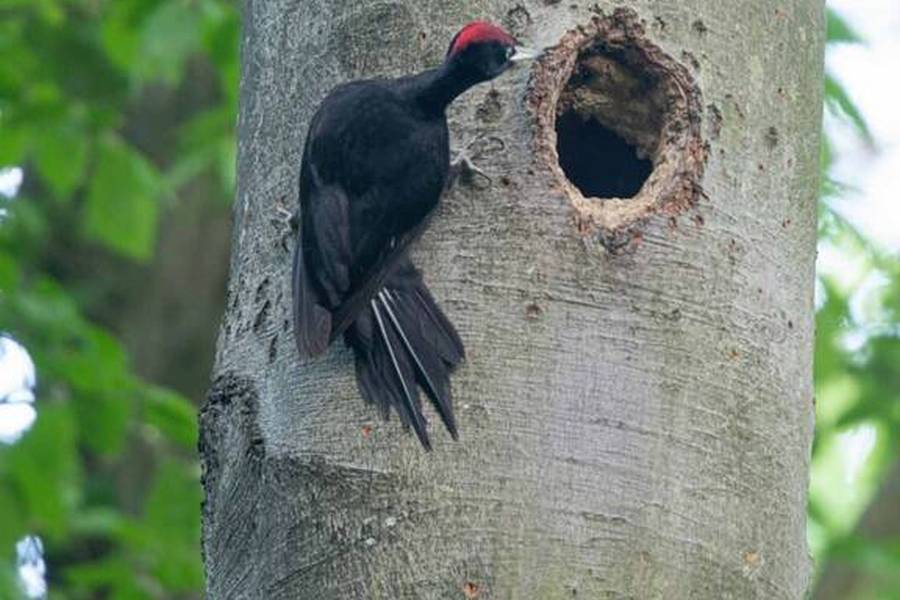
(674, 186)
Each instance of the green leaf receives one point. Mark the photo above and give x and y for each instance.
(119, 36)
(104, 394)
(877, 556)
(97, 522)
(123, 201)
(9, 273)
(15, 145)
(113, 575)
(167, 38)
(51, 11)
(172, 526)
(839, 31)
(221, 43)
(172, 415)
(60, 157)
(833, 314)
(839, 101)
(42, 469)
(47, 308)
(206, 142)
(12, 525)
(8, 579)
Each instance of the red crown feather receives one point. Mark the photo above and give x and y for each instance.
(476, 32)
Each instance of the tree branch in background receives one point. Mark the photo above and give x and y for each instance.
(856, 565)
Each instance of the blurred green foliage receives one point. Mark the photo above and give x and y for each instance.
(108, 475)
(857, 376)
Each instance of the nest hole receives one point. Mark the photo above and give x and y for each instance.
(609, 122)
(597, 160)
(618, 124)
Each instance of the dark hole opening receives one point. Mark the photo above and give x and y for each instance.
(596, 160)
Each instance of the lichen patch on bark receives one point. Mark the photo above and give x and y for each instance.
(608, 72)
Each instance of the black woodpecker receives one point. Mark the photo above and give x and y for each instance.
(376, 159)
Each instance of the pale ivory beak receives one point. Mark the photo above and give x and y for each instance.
(524, 53)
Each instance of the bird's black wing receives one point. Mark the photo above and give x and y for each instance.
(320, 274)
(365, 192)
(312, 321)
(321, 267)
(346, 313)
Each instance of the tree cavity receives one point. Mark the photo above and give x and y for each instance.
(618, 122)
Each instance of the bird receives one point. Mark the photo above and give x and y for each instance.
(375, 163)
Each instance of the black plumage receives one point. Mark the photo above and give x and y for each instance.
(376, 160)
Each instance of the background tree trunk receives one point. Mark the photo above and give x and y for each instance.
(634, 424)
(843, 577)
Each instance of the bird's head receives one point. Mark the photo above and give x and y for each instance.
(484, 50)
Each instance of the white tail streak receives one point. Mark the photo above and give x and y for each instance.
(414, 415)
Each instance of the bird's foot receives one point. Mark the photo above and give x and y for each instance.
(287, 222)
(463, 167)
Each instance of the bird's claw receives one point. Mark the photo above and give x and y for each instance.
(286, 217)
(463, 167)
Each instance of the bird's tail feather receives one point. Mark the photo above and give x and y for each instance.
(404, 341)
(404, 374)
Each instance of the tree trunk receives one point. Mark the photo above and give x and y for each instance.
(636, 406)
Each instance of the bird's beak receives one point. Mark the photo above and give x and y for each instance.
(523, 53)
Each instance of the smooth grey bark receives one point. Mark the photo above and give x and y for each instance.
(633, 425)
